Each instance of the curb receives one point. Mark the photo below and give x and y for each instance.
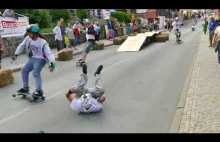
(19, 67)
(182, 100)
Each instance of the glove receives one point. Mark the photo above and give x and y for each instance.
(14, 57)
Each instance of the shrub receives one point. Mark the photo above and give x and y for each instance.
(42, 17)
(122, 16)
(82, 14)
(60, 13)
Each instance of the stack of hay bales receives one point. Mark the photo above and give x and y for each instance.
(118, 41)
(161, 38)
(131, 34)
(65, 55)
(6, 77)
(98, 45)
(135, 33)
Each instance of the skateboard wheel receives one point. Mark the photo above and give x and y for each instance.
(24, 96)
(43, 98)
(13, 95)
(31, 100)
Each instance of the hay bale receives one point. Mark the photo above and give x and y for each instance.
(98, 45)
(118, 41)
(123, 38)
(165, 35)
(144, 31)
(161, 38)
(6, 77)
(135, 33)
(65, 55)
(132, 34)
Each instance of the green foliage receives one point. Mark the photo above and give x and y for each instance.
(60, 13)
(122, 16)
(42, 17)
(46, 30)
(139, 21)
(81, 14)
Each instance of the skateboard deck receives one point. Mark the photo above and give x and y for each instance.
(28, 96)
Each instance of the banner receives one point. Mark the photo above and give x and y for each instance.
(13, 27)
(105, 14)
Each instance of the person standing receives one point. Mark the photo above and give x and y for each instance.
(76, 34)
(58, 36)
(70, 35)
(124, 28)
(205, 26)
(216, 41)
(62, 32)
(212, 25)
(97, 29)
(2, 49)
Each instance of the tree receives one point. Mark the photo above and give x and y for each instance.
(82, 14)
(56, 14)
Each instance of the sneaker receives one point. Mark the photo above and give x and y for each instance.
(22, 90)
(99, 69)
(84, 68)
(38, 93)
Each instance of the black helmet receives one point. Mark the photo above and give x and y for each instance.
(33, 28)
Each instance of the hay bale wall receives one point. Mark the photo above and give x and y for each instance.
(144, 31)
(6, 77)
(98, 45)
(65, 55)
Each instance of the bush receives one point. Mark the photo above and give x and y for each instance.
(42, 17)
(60, 13)
(82, 14)
(122, 16)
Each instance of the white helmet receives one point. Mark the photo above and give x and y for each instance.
(86, 100)
(176, 18)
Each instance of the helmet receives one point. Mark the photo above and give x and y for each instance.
(176, 18)
(33, 28)
(86, 100)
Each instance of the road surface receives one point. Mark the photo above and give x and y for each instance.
(142, 91)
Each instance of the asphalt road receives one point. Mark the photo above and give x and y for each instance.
(142, 91)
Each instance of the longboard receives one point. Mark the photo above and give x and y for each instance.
(29, 96)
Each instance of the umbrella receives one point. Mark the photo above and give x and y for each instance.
(112, 11)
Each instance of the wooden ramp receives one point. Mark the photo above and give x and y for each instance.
(134, 43)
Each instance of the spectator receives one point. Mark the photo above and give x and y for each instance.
(76, 34)
(62, 32)
(110, 29)
(124, 28)
(116, 28)
(70, 34)
(205, 26)
(165, 24)
(58, 36)
(216, 41)
(97, 29)
(9, 13)
(2, 48)
(212, 25)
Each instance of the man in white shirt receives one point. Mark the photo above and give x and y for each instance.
(87, 100)
(176, 26)
(58, 36)
(2, 48)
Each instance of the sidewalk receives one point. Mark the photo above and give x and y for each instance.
(16, 66)
(201, 110)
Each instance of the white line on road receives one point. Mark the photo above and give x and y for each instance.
(3, 120)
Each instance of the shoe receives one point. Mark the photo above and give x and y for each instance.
(38, 93)
(84, 68)
(99, 69)
(22, 90)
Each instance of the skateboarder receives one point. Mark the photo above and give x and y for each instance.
(87, 100)
(90, 36)
(39, 54)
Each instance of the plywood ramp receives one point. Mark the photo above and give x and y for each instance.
(134, 43)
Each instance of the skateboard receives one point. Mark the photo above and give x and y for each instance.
(179, 42)
(29, 96)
